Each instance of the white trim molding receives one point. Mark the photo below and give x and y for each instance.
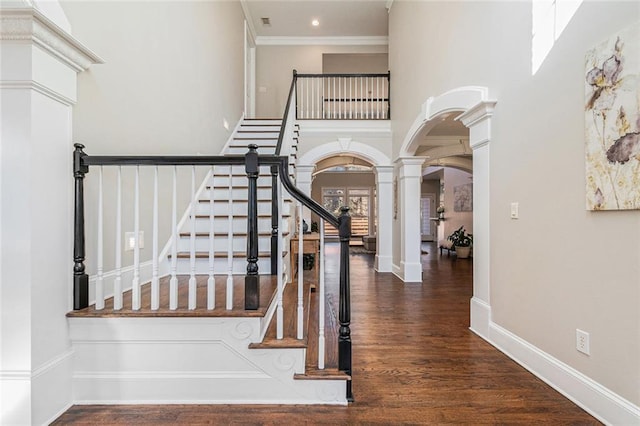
(600, 402)
(344, 146)
(322, 41)
(37, 87)
(28, 24)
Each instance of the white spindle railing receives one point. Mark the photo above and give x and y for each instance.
(321, 301)
(155, 280)
(300, 310)
(100, 264)
(173, 281)
(279, 307)
(229, 304)
(135, 285)
(117, 283)
(192, 244)
(343, 97)
(211, 282)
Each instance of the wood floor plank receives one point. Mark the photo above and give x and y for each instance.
(415, 361)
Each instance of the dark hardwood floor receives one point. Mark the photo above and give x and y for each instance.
(415, 362)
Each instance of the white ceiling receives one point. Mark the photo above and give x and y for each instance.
(338, 18)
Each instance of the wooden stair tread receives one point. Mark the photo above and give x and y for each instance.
(268, 286)
(326, 374)
(218, 254)
(290, 321)
(225, 233)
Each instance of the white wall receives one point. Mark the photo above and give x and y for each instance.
(173, 72)
(275, 65)
(453, 219)
(558, 267)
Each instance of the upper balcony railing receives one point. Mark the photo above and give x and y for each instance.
(342, 96)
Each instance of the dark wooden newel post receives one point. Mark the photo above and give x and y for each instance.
(80, 278)
(251, 280)
(274, 220)
(344, 315)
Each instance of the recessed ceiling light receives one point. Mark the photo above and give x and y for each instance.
(315, 22)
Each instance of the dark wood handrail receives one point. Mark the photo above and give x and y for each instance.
(285, 116)
(387, 74)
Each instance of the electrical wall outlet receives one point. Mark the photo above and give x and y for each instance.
(582, 341)
(130, 240)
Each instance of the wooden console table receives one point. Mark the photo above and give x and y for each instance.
(310, 245)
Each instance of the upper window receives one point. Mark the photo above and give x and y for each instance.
(550, 17)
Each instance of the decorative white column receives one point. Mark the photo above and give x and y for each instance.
(384, 207)
(478, 120)
(304, 177)
(410, 179)
(40, 62)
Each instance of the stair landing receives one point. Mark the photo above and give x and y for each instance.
(268, 286)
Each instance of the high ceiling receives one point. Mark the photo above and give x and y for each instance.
(337, 18)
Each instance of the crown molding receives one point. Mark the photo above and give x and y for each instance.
(28, 24)
(325, 41)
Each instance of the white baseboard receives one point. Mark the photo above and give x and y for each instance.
(37, 397)
(480, 317)
(600, 402)
(383, 263)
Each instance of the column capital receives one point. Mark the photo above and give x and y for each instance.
(410, 167)
(384, 174)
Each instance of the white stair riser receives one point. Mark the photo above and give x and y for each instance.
(240, 149)
(239, 208)
(220, 266)
(222, 194)
(223, 181)
(240, 170)
(239, 225)
(269, 135)
(221, 243)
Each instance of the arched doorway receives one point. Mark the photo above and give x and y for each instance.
(344, 149)
(472, 107)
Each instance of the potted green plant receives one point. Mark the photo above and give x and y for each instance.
(461, 242)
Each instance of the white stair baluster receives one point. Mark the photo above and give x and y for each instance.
(135, 285)
(279, 308)
(366, 85)
(100, 267)
(155, 280)
(117, 283)
(307, 97)
(229, 304)
(300, 273)
(378, 97)
(350, 98)
(313, 98)
(321, 301)
(211, 283)
(361, 99)
(192, 244)
(173, 282)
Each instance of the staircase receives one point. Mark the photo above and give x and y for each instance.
(228, 186)
(222, 355)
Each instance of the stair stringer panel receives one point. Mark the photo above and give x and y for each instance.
(188, 361)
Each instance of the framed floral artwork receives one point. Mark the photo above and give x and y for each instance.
(612, 122)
